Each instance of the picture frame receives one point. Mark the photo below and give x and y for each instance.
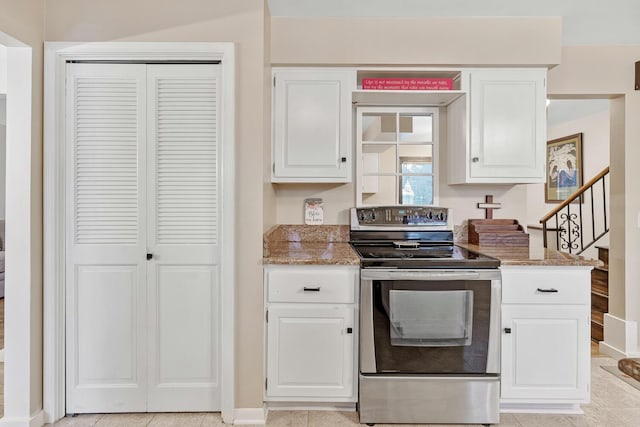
(564, 168)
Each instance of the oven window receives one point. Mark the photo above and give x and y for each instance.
(429, 318)
(431, 327)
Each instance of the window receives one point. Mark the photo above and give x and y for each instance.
(397, 152)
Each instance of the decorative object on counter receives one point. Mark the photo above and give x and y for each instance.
(313, 211)
(631, 367)
(489, 206)
(497, 232)
(564, 168)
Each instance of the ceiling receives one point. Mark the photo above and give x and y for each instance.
(585, 22)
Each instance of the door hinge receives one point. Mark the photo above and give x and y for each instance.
(266, 316)
(274, 81)
(273, 167)
(266, 382)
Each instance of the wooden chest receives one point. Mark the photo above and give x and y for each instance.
(497, 232)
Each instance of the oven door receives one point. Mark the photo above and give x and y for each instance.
(439, 322)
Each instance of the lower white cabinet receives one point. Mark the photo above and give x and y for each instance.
(311, 333)
(545, 338)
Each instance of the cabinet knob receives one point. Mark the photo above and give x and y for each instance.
(343, 159)
(507, 330)
(149, 257)
(349, 330)
(475, 159)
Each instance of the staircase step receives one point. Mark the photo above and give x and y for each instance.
(600, 288)
(601, 275)
(599, 302)
(597, 331)
(597, 316)
(603, 254)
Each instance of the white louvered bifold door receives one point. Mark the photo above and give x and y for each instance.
(182, 224)
(105, 243)
(142, 281)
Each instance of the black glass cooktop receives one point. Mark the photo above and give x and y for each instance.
(420, 255)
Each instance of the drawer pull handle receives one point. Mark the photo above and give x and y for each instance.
(507, 330)
(316, 289)
(548, 291)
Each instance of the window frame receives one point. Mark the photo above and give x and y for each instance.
(434, 112)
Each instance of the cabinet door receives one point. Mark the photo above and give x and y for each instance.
(312, 126)
(547, 353)
(310, 351)
(508, 126)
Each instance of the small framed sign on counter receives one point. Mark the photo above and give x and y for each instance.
(313, 211)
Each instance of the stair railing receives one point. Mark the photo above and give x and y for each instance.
(567, 221)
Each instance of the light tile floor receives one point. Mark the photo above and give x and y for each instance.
(614, 403)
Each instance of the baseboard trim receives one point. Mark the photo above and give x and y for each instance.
(311, 406)
(620, 338)
(541, 408)
(250, 416)
(36, 420)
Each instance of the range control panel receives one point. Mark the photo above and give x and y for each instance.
(400, 216)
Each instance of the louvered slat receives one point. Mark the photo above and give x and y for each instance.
(186, 161)
(106, 164)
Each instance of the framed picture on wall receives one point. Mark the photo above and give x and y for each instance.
(564, 168)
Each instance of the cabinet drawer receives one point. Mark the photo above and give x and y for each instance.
(308, 284)
(545, 286)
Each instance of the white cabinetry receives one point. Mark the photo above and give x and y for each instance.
(312, 125)
(506, 136)
(545, 338)
(311, 333)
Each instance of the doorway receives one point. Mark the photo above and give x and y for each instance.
(142, 244)
(61, 299)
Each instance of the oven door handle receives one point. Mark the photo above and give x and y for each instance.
(427, 275)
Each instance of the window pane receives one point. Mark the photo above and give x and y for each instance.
(379, 127)
(379, 158)
(416, 128)
(417, 190)
(410, 167)
(386, 191)
(417, 151)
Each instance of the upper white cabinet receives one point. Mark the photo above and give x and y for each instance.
(312, 125)
(506, 137)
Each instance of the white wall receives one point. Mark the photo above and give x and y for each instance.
(584, 22)
(3, 69)
(594, 126)
(3, 149)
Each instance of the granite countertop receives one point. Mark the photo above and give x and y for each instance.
(329, 245)
(309, 245)
(514, 255)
